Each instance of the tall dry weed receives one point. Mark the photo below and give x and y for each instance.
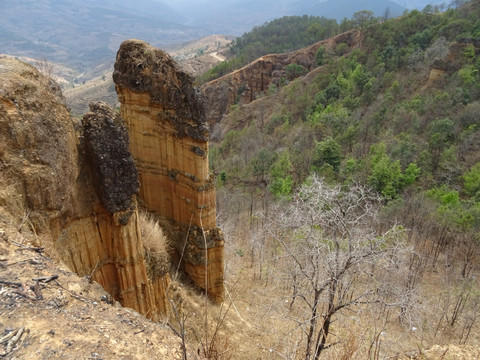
(156, 245)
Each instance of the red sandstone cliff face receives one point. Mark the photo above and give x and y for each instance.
(77, 183)
(77, 190)
(166, 121)
(244, 85)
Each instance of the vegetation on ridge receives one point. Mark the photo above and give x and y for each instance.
(280, 35)
(372, 115)
(400, 115)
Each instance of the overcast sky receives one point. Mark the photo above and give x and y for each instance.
(407, 3)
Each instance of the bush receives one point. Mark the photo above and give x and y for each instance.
(328, 152)
(294, 70)
(320, 55)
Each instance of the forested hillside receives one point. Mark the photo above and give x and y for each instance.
(402, 109)
(292, 33)
(398, 117)
(281, 35)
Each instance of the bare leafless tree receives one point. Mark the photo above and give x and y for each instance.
(332, 251)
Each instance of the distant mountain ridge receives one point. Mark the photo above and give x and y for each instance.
(217, 16)
(86, 34)
(237, 16)
(339, 9)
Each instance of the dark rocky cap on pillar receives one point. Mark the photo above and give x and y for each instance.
(114, 171)
(142, 68)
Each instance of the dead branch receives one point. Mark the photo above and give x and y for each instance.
(46, 279)
(12, 339)
(32, 248)
(10, 283)
(36, 289)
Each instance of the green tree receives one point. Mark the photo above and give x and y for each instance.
(360, 78)
(363, 18)
(281, 170)
(386, 177)
(441, 133)
(294, 70)
(320, 55)
(410, 175)
(471, 184)
(262, 163)
(329, 152)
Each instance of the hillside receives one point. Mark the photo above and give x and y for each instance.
(396, 111)
(267, 74)
(84, 35)
(365, 82)
(331, 210)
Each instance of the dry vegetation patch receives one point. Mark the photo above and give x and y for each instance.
(156, 246)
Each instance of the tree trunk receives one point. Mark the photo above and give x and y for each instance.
(313, 323)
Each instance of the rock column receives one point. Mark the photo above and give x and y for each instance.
(165, 117)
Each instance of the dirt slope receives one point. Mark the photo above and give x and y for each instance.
(68, 317)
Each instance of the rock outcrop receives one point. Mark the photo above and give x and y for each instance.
(38, 149)
(78, 191)
(453, 60)
(107, 241)
(114, 172)
(166, 121)
(246, 84)
(77, 182)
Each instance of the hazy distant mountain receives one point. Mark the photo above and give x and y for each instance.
(85, 33)
(237, 16)
(339, 9)
(419, 4)
(231, 16)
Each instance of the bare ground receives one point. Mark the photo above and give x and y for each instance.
(50, 313)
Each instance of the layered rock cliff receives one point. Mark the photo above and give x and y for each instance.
(77, 190)
(246, 84)
(166, 121)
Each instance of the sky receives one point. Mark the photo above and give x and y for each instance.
(407, 3)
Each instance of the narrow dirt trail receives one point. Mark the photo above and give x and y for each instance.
(216, 56)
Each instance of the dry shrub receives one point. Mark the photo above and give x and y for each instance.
(218, 349)
(155, 244)
(349, 347)
(204, 326)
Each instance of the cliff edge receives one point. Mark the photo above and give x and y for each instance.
(68, 194)
(76, 184)
(166, 121)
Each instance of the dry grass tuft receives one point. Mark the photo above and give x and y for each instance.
(155, 244)
(218, 349)
(153, 237)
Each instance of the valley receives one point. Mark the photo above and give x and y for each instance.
(319, 201)
(97, 85)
